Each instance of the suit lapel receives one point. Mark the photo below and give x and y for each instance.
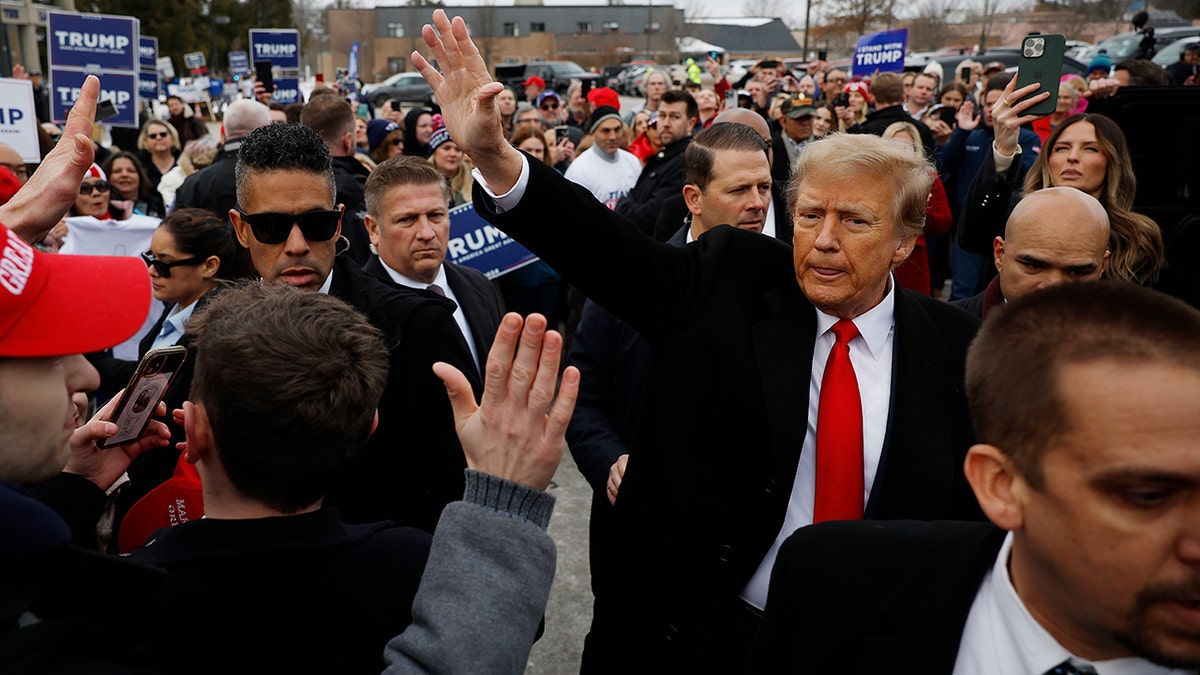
(929, 609)
(472, 302)
(783, 345)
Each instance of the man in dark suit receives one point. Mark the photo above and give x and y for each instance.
(1086, 403)
(213, 188)
(409, 223)
(741, 329)
(412, 465)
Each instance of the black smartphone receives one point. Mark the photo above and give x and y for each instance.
(585, 86)
(105, 109)
(262, 72)
(1041, 62)
(561, 133)
(843, 100)
(964, 74)
(150, 382)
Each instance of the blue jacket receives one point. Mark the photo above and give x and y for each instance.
(960, 158)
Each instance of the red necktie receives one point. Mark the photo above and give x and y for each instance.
(839, 488)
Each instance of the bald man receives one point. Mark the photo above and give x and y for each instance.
(1053, 235)
(776, 223)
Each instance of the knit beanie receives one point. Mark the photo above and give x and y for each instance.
(439, 135)
(604, 112)
(1100, 62)
(377, 130)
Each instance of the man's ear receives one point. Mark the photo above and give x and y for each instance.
(997, 485)
(198, 430)
(691, 198)
(998, 252)
(372, 226)
(240, 228)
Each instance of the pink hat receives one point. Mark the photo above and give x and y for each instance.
(55, 305)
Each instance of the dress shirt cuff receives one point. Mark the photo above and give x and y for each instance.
(505, 496)
(510, 199)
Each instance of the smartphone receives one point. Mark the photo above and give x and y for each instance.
(561, 133)
(105, 109)
(1041, 62)
(364, 111)
(730, 98)
(964, 74)
(714, 56)
(842, 100)
(262, 72)
(150, 382)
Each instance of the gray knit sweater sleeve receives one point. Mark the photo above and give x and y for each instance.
(485, 586)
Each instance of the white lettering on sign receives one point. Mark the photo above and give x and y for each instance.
(147, 51)
(287, 94)
(273, 49)
(67, 96)
(93, 41)
(15, 265)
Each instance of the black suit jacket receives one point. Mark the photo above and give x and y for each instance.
(351, 178)
(212, 188)
(479, 298)
(871, 597)
(413, 464)
(709, 480)
(661, 179)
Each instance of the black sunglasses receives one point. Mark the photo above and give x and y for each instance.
(274, 228)
(88, 188)
(164, 268)
(549, 106)
(160, 134)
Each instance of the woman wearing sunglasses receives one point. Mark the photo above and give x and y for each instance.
(158, 149)
(189, 256)
(102, 223)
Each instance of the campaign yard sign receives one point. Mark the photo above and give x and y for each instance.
(148, 84)
(120, 88)
(148, 53)
(18, 121)
(239, 63)
(476, 243)
(92, 41)
(280, 46)
(880, 52)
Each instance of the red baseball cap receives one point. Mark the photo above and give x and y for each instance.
(602, 96)
(534, 79)
(54, 305)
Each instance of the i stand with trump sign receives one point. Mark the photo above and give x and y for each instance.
(880, 53)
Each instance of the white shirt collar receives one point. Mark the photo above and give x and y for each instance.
(1033, 645)
(873, 325)
(328, 282)
(415, 283)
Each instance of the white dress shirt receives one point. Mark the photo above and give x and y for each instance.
(1001, 637)
(871, 355)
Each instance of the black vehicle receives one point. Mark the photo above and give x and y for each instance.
(610, 76)
(557, 75)
(1128, 45)
(404, 87)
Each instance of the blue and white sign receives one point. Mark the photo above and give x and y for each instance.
(476, 243)
(18, 121)
(239, 63)
(352, 66)
(148, 85)
(92, 41)
(287, 90)
(120, 88)
(880, 52)
(280, 46)
(194, 60)
(148, 53)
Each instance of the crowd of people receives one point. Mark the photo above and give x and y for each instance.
(806, 451)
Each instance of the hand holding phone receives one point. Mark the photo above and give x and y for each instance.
(140, 399)
(561, 133)
(263, 74)
(1041, 62)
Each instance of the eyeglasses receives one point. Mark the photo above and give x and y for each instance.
(158, 135)
(18, 170)
(549, 106)
(89, 188)
(274, 228)
(397, 141)
(164, 268)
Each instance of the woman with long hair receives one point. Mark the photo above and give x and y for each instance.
(450, 161)
(1087, 152)
(130, 182)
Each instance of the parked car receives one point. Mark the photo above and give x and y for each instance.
(629, 82)
(557, 75)
(1170, 53)
(408, 87)
(1125, 45)
(610, 75)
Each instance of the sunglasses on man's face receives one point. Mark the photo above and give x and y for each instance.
(549, 106)
(89, 188)
(163, 267)
(274, 228)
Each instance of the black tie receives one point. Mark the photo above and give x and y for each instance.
(434, 288)
(1065, 668)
